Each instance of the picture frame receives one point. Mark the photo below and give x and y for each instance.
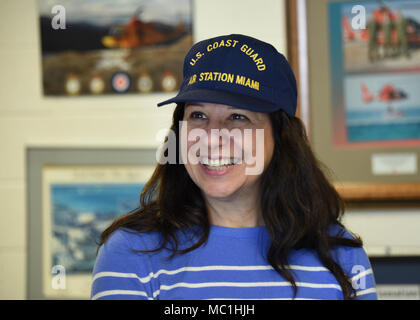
(95, 48)
(360, 172)
(72, 196)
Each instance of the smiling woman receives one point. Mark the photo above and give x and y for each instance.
(222, 171)
(230, 138)
(209, 229)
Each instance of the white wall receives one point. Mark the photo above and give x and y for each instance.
(29, 119)
(386, 232)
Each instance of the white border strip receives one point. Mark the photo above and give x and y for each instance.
(303, 63)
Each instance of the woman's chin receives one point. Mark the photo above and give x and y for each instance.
(218, 191)
(221, 184)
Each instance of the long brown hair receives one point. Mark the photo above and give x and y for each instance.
(298, 203)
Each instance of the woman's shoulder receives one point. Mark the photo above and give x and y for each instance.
(124, 239)
(121, 270)
(339, 231)
(346, 255)
(128, 239)
(124, 251)
(355, 263)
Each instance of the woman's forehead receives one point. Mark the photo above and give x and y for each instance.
(208, 105)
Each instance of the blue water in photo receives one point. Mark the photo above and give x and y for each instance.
(80, 213)
(379, 125)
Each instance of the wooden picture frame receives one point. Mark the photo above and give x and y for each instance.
(351, 167)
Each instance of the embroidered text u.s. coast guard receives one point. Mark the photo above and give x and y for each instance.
(234, 44)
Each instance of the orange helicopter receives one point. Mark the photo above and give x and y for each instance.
(387, 94)
(136, 33)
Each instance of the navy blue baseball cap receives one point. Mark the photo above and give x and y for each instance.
(238, 71)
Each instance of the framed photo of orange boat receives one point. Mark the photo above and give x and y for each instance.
(364, 75)
(97, 47)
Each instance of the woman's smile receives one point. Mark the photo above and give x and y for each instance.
(219, 167)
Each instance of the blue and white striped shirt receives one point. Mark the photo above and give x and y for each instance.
(230, 265)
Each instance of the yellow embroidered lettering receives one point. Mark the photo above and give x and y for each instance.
(198, 55)
(240, 80)
(250, 52)
(255, 85)
(192, 79)
(247, 82)
(259, 61)
(226, 77)
(254, 57)
(220, 44)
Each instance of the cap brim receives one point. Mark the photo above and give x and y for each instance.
(223, 97)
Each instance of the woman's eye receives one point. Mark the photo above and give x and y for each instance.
(237, 116)
(198, 115)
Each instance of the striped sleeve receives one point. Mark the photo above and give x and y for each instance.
(358, 268)
(356, 265)
(120, 273)
(361, 275)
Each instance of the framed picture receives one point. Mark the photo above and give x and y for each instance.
(364, 102)
(97, 47)
(74, 195)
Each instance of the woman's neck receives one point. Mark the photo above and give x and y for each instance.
(237, 211)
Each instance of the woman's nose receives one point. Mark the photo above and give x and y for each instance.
(220, 140)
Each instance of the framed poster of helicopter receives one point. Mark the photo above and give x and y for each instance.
(364, 77)
(375, 68)
(97, 47)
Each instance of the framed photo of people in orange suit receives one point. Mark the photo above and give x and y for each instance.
(364, 75)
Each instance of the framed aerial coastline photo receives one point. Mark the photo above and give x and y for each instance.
(73, 195)
(79, 203)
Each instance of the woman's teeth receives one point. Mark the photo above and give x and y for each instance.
(218, 164)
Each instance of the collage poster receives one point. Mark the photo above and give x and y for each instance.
(375, 73)
(96, 47)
